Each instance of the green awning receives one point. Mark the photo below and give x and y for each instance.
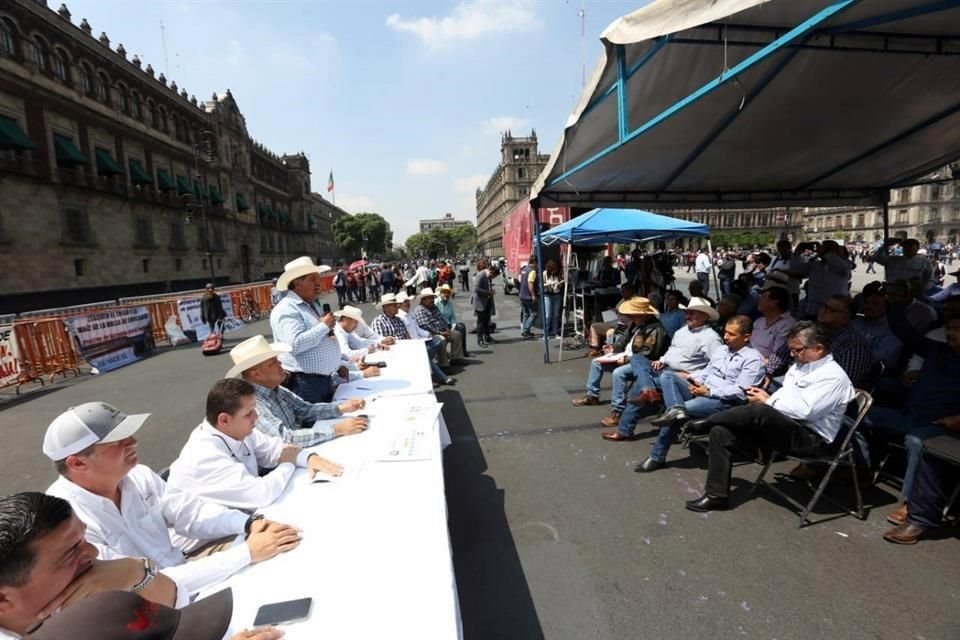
(106, 165)
(138, 174)
(215, 196)
(12, 136)
(242, 204)
(199, 190)
(183, 187)
(164, 180)
(67, 153)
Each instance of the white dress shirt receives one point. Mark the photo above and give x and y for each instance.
(691, 350)
(816, 393)
(148, 508)
(224, 470)
(412, 327)
(351, 345)
(703, 263)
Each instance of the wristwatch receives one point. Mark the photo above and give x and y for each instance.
(250, 521)
(149, 574)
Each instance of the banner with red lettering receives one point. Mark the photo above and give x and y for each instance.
(9, 358)
(111, 339)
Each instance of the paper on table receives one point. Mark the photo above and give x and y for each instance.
(350, 472)
(609, 358)
(412, 439)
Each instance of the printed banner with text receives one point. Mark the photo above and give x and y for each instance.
(111, 339)
(9, 360)
(189, 311)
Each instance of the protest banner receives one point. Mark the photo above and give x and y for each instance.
(9, 360)
(189, 311)
(111, 339)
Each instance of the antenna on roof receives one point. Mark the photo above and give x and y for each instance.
(163, 40)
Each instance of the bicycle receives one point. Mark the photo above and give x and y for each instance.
(249, 309)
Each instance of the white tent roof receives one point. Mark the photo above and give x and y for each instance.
(752, 103)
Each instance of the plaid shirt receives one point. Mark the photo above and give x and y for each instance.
(387, 326)
(280, 412)
(430, 319)
(297, 323)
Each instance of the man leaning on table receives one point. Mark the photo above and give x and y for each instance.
(282, 413)
(352, 345)
(315, 363)
(128, 509)
(222, 458)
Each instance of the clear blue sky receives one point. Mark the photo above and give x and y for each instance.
(405, 101)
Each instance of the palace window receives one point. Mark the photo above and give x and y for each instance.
(103, 88)
(86, 81)
(8, 41)
(40, 54)
(61, 67)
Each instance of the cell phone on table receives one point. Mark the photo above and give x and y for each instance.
(326, 308)
(379, 365)
(284, 612)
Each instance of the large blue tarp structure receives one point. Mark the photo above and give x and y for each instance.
(602, 226)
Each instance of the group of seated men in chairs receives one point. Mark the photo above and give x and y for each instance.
(752, 377)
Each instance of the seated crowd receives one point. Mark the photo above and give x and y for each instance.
(112, 524)
(768, 367)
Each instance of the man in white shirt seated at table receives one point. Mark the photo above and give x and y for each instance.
(282, 413)
(351, 345)
(804, 416)
(223, 456)
(128, 509)
(46, 564)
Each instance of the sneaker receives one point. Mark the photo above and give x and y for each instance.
(450, 381)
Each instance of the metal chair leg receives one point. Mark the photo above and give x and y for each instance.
(763, 472)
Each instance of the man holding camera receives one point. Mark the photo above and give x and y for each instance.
(908, 266)
(828, 273)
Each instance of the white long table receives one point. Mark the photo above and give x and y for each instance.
(375, 555)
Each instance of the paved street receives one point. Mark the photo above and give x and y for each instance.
(554, 536)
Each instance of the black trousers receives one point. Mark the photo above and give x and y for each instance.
(757, 423)
(310, 386)
(934, 482)
(483, 325)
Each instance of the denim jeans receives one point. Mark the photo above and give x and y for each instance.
(704, 279)
(676, 392)
(554, 304)
(894, 421)
(644, 378)
(433, 348)
(622, 376)
(528, 315)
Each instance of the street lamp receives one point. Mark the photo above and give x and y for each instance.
(204, 134)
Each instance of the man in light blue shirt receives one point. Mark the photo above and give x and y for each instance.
(733, 368)
(874, 329)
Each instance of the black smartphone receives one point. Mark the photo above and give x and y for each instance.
(326, 308)
(284, 612)
(379, 365)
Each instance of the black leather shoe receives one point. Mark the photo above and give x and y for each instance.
(668, 417)
(697, 427)
(649, 465)
(708, 503)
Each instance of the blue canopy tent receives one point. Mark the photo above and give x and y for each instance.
(603, 226)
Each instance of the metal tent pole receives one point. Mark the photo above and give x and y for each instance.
(535, 212)
(713, 270)
(563, 304)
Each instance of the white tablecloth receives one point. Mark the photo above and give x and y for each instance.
(375, 555)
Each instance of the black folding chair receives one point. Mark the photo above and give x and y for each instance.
(947, 448)
(842, 455)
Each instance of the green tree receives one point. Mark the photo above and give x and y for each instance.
(417, 244)
(465, 239)
(363, 231)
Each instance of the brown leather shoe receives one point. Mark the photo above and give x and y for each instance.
(647, 397)
(615, 436)
(611, 420)
(586, 401)
(905, 533)
(594, 352)
(899, 515)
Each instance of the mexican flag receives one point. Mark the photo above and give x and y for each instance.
(330, 181)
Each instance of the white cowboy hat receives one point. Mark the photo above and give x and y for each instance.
(298, 268)
(444, 287)
(388, 298)
(427, 292)
(349, 312)
(699, 304)
(252, 352)
(403, 297)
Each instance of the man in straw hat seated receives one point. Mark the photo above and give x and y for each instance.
(282, 413)
(428, 317)
(646, 337)
(690, 350)
(315, 363)
(352, 344)
(129, 511)
(223, 456)
(391, 323)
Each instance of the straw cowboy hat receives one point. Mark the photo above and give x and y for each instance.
(252, 352)
(637, 306)
(298, 268)
(403, 297)
(388, 298)
(699, 304)
(349, 312)
(427, 292)
(444, 287)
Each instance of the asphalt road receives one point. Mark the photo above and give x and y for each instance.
(554, 536)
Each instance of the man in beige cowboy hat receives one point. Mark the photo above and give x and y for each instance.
(315, 364)
(428, 317)
(645, 336)
(353, 345)
(282, 413)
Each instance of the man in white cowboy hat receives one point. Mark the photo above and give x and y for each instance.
(434, 344)
(428, 317)
(403, 312)
(352, 345)
(315, 363)
(690, 350)
(223, 455)
(129, 511)
(646, 336)
(282, 413)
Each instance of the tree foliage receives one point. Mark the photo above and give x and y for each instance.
(363, 230)
(438, 243)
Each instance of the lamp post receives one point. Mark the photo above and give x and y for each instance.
(199, 201)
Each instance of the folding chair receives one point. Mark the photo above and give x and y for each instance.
(947, 448)
(844, 455)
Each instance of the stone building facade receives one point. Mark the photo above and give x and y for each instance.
(114, 181)
(520, 164)
(446, 222)
(751, 226)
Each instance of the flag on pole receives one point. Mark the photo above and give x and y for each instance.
(330, 181)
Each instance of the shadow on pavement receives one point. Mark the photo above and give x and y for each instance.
(495, 600)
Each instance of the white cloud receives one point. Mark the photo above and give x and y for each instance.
(355, 203)
(499, 124)
(469, 184)
(469, 21)
(425, 167)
